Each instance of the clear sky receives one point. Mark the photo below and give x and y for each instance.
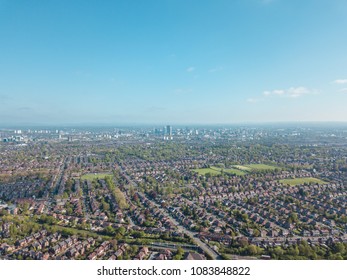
(172, 61)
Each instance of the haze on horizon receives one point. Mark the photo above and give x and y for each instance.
(173, 61)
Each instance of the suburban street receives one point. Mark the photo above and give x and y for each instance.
(206, 248)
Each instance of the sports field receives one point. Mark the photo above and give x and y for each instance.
(261, 167)
(239, 170)
(204, 171)
(217, 171)
(229, 170)
(242, 167)
(300, 181)
(255, 167)
(92, 176)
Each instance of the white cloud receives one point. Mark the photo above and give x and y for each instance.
(190, 69)
(343, 90)
(278, 91)
(340, 81)
(293, 92)
(299, 91)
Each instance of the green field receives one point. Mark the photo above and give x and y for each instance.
(242, 167)
(204, 171)
(300, 181)
(92, 176)
(229, 170)
(255, 167)
(217, 171)
(261, 167)
(239, 170)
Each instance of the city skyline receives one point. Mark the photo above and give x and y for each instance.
(172, 62)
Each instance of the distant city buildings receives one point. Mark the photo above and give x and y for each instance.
(230, 188)
(168, 133)
(169, 130)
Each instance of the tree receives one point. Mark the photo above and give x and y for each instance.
(121, 230)
(109, 230)
(278, 251)
(252, 250)
(138, 234)
(179, 254)
(339, 248)
(293, 218)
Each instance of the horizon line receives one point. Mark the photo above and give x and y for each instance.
(133, 124)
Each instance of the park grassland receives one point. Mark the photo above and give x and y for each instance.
(204, 171)
(229, 170)
(261, 167)
(256, 167)
(97, 176)
(238, 170)
(243, 168)
(301, 181)
(214, 171)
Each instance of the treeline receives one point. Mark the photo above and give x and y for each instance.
(301, 251)
(20, 227)
(117, 193)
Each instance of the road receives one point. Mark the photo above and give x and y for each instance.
(59, 175)
(206, 248)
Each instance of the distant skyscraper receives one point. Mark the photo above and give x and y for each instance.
(169, 130)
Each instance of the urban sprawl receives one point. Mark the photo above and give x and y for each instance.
(163, 193)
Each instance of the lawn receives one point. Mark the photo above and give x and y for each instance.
(233, 171)
(92, 176)
(255, 167)
(261, 167)
(204, 171)
(243, 168)
(238, 170)
(78, 232)
(217, 171)
(300, 181)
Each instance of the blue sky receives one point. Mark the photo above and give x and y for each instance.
(172, 61)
